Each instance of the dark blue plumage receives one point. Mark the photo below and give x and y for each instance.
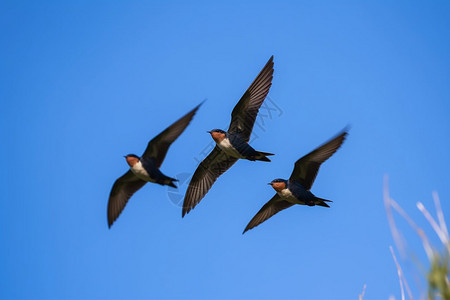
(243, 147)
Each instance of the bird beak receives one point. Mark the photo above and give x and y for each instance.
(270, 183)
(209, 132)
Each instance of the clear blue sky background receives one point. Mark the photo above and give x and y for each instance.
(83, 83)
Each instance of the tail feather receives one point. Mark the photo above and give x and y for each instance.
(168, 181)
(265, 153)
(171, 184)
(262, 156)
(321, 202)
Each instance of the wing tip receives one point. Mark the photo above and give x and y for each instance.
(270, 64)
(198, 106)
(344, 131)
(110, 223)
(111, 217)
(342, 136)
(246, 229)
(347, 128)
(186, 208)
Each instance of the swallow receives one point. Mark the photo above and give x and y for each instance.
(296, 190)
(146, 168)
(232, 144)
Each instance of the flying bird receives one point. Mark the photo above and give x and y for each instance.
(232, 144)
(146, 168)
(296, 190)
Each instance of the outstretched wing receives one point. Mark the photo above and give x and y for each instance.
(214, 165)
(245, 112)
(306, 168)
(122, 190)
(275, 205)
(158, 146)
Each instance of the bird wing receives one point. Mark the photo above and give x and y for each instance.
(122, 190)
(306, 168)
(214, 165)
(158, 146)
(275, 205)
(244, 113)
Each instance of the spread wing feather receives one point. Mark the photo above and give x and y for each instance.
(122, 190)
(307, 167)
(157, 148)
(275, 205)
(214, 165)
(244, 113)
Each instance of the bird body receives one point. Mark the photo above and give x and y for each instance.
(146, 170)
(236, 146)
(296, 189)
(294, 193)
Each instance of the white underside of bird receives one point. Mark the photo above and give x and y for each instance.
(228, 148)
(287, 195)
(139, 170)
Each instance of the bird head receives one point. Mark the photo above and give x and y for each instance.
(218, 135)
(131, 159)
(278, 184)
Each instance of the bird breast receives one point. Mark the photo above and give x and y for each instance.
(286, 193)
(228, 148)
(139, 170)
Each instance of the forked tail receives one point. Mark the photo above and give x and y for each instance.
(171, 184)
(321, 202)
(168, 181)
(262, 156)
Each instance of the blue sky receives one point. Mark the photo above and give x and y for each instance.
(85, 82)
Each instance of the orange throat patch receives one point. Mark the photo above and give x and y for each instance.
(278, 186)
(131, 161)
(218, 137)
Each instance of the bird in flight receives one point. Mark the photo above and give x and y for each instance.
(146, 168)
(233, 144)
(296, 190)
